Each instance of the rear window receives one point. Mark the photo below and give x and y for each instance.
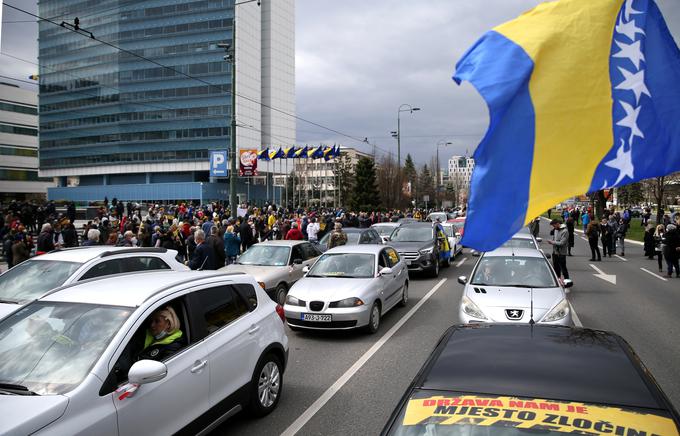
(33, 278)
(433, 413)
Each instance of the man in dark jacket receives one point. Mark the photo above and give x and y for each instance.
(45, 239)
(246, 233)
(217, 245)
(203, 257)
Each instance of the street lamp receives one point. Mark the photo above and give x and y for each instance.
(403, 108)
(436, 175)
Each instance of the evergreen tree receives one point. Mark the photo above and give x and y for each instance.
(344, 176)
(410, 174)
(426, 186)
(365, 196)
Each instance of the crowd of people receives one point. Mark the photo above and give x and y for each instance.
(205, 236)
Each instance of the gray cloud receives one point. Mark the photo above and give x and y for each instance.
(19, 38)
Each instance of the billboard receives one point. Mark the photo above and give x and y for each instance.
(247, 163)
(218, 163)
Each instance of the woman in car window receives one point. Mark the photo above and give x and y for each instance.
(163, 337)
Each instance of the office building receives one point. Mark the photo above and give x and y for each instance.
(460, 170)
(113, 124)
(19, 178)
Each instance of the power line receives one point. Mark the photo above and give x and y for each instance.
(18, 80)
(91, 36)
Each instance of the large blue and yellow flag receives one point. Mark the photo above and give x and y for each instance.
(582, 95)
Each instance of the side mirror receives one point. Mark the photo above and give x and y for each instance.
(305, 269)
(458, 235)
(539, 240)
(385, 271)
(475, 253)
(147, 371)
(297, 261)
(568, 283)
(462, 280)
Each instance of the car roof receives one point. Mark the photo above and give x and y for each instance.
(548, 362)
(84, 254)
(510, 252)
(287, 243)
(390, 224)
(354, 229)
(129, 290)
(417, 224)
(357, 248)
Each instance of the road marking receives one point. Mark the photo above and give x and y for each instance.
(654, 274)
(622, 258)
(585, 239)
(339, 383)
(611, 278)
(462, 261)
(574, 317)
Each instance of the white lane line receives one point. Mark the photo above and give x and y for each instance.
(339, 383)
(654, 274)
(585, 239)
(462, 261)
(622, 258)
(574, 316)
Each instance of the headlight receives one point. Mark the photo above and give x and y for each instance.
(293, 301)
(558, 312)
(471, 308)
(427, 250)
(347, 302)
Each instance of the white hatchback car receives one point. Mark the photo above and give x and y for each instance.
(80, 360)
(34, 277)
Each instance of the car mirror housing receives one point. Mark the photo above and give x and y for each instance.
(539, 240)
(462, 280)
(297, 261)
(568, 283)
(147, 371)
(385, 271)
(305, 269)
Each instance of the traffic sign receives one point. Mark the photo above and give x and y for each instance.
(218, 164)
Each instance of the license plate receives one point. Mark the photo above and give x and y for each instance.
(316, 317)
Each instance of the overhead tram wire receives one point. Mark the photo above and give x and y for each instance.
(91, 36)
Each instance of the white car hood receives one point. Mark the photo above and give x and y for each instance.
(7, 308)
(28, 414)
(509, 297)
(328, 288)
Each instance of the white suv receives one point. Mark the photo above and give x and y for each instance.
(32, 278)
(73, 361)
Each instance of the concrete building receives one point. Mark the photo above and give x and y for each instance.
(19, 178)
(113, 124)
(460, 170)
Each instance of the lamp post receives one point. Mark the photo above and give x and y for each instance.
(403, 108)
(436, 175)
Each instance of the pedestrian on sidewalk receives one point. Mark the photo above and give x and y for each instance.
(672, 245)
(621, 235)
(605, 237)
(593, 234)
(570, 230)
(658, 244)
(613, 229)
(560, 243)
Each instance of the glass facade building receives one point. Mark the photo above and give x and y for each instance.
(111, 119)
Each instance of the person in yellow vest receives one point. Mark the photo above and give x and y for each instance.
(163, 337)
(418, 216)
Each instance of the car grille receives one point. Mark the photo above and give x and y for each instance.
(409, 255)
(326, 325)
(316, 306)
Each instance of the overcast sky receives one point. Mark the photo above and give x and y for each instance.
(357, 61)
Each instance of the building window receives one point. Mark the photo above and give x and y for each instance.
(18, 108)
(13, 151)
(21, 176)
(17, 130)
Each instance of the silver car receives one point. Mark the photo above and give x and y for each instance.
(276, 265)
(36, 276)
(385, 230)
(348, 287)
(516, 285)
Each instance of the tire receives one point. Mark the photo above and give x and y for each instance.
(280, 294)
(374, 319)
(266, 386)
(434, 271)
(447, 262)
(404, 295)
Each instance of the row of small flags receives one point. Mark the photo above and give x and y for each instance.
(326, 153)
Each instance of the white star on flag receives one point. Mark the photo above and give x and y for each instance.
(628, 28)
(628, 10)
(630, 51)
(634, 82)
(630, 120)
(623, 162)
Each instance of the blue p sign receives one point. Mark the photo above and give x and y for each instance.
(218, 164)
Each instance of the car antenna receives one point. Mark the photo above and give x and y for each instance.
(531, 313)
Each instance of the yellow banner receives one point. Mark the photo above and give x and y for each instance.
(536, 414)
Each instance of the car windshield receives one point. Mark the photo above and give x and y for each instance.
(412, 234)
(347, 265)
(440, 413)
(268, 255)
(532, 272)
(441, 216)
(384, 230)
(48, 348)
(33, 278)
(352, 238)
(519, 243)
(449, 231)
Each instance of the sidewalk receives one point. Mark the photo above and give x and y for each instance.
(629, 241)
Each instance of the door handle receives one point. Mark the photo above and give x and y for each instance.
(253, 329)
(198, 365)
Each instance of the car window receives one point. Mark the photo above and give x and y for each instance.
(365, 238)
(392, 256)
(514, 271)
(308, 251)
(382, 260)
(108, 267)
(219, 306)
(297, 254)
(144, 263)
(376, 237)
(32, 278)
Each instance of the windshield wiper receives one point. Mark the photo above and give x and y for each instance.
(8, 301)
(16, 389)
(314, 275)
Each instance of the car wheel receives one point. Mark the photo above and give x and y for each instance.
(280, 294)
(374, 319)
(434, 272)
(266, 386)
(404, 295)
(447, 262)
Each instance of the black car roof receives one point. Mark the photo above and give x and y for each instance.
(549, 362)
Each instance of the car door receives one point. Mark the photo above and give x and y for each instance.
(232, 335)
(165, 406)
(295, 269)
(387, 281)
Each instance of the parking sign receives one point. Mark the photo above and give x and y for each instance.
(218, 163)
